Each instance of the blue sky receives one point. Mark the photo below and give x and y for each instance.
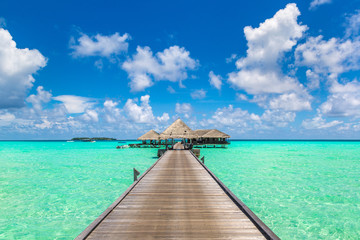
(253, 69)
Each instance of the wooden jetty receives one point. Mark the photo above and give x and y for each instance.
(178, 197)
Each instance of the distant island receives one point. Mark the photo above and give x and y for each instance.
(87, 139)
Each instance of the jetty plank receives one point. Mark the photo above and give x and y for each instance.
(177, 198)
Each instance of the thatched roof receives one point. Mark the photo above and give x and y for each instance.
(178, 129)
(201, 132)
(150, 135)
(215, 134)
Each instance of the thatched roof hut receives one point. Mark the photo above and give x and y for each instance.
(201, 132)
(215, 134)
(178, 129)
(150, 135)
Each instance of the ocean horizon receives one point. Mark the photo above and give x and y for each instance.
(135, 140)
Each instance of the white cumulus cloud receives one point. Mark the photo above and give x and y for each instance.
(90, 115)
(257, 81)
(100, 45)
(46, 124)
(140, 113)
(172, 64)
(313, 79)
(240, 120)
(110, 104)
(16, 69)
(37, 100)
(198, 94)
(164, 118)
(112, 112)
(74, 104)
(353, 28)
(278, 118)
(233, 117)
(231, 58)
(318, 122)
(343, 100)
(6, 118)
(260, 72)
(315, 3)
(183, 108)
(291, 102)
(334, 56)
(215, 80)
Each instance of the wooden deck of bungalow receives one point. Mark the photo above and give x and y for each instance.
(178, 198)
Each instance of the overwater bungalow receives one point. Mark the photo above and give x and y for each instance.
(179, 131)
(149, 139)
(211, 138)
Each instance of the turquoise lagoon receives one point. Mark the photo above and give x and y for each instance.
(300, 189)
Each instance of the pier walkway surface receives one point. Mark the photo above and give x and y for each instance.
(177, 198)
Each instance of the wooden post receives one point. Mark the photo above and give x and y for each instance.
(136, 174)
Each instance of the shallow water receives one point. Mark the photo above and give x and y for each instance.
(301, 190)
(53, 190)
